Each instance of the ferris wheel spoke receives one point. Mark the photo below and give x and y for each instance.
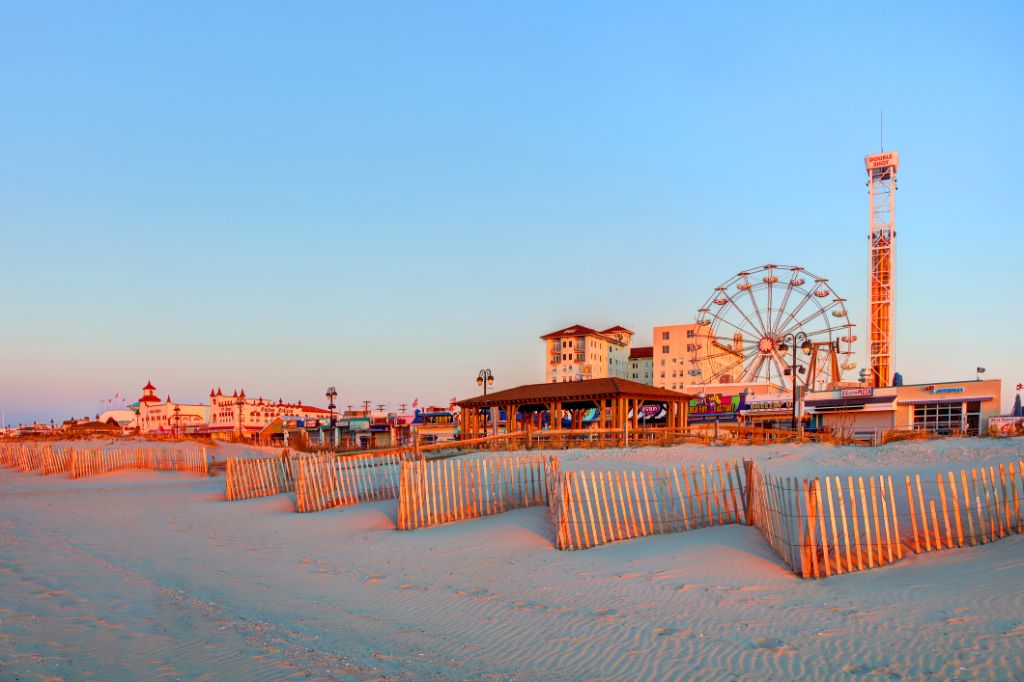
(826, 330)
(747, 340)
(785, 301)
(822, 311)
(739, 310)
(779, 330)
(731, 366)
(757, 310)
(726, 352)
(747, 333)
(768, 310)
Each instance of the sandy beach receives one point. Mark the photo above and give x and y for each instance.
(152, 575)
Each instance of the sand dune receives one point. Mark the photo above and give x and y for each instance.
(151, 575)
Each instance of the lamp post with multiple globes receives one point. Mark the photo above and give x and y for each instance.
(485, 378)
(794, 342)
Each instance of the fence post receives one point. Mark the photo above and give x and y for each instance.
(748, 493)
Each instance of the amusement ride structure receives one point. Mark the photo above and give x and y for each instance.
(881, 183)
(744, 322)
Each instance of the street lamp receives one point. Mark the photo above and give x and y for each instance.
(240, 403)
(331, 395)
(485, 378)
(793, 342)
(177, 419)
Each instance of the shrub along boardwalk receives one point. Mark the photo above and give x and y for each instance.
(248, 477)
(442, 491)
(591, 508)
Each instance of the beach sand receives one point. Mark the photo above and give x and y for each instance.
(152, 575)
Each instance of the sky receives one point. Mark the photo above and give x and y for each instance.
(389, 197)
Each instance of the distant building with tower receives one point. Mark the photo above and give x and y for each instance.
(157, 416)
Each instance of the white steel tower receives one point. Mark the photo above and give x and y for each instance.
(882, 257)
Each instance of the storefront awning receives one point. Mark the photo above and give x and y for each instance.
(875, 403)
(947, 401)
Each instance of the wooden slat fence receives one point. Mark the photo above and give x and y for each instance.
(56, 461)
(833, 524)
(442, 491)
(25, 457)
(246, 478)
(593, 508)
(95, 461)
(326, 481)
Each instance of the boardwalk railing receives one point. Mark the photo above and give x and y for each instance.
(827, 526)
(246, 478)
(325, 481)
(592, 508)
(93, 462)
(442, 491)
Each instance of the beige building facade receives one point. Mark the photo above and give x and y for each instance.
(579, 353)
(641, 365)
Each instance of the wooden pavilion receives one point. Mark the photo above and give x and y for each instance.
(619, 403)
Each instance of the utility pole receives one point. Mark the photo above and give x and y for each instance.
(366, 408)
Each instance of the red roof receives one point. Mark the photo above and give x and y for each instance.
(149, 386)
(575, 391)
(149, 399)
(641, 352)
(580, 330)
(617, 328)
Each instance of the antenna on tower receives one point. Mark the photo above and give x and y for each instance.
(881, 129)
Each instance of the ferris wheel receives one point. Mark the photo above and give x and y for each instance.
(742, 330)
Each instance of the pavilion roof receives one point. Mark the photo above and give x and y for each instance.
(573, 391)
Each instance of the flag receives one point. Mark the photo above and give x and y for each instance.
(415, 402)
(981, 370)
(1020, 387)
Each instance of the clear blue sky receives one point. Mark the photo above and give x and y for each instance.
(389, 196)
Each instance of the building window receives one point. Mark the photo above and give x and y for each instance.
(690, 334)
(939, 418)
(664, 336)
(664, 350)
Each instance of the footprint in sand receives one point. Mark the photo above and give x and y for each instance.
(606, 614)
(671, 633)
(771, 644)
(413, 586)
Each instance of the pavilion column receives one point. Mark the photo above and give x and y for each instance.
(636, 413)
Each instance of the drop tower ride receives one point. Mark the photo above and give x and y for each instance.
(881, 183)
